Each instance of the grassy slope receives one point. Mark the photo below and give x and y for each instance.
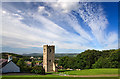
(89, 72)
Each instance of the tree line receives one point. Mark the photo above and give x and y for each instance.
(91, 59)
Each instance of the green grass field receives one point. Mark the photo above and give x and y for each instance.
(32, 76)
(60, 78)
(88, 72)
(61, 72)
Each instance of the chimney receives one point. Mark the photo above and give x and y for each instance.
(9, 58)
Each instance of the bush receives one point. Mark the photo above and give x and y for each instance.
(38, 70)
(26, 69)
(21, 62)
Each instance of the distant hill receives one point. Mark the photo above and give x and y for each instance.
(4, 54)
(56, 55)
(33, 54)
(66, 54)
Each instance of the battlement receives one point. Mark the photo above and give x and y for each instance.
(48, 45)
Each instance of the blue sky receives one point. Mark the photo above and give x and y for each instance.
(71, 26)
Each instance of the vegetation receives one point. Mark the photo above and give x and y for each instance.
(89, 71)
(21, 62)
(91, 59)
(108, 62)
(52, 77)
(38, 70)
(15, 57)
(5, 55)
(33, 63)
(67, 62)
(68, 72)
(33, 69)
(23, 66)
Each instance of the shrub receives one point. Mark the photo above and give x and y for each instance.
(38, 70)
(26, 69)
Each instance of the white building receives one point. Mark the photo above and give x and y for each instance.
(7, 66)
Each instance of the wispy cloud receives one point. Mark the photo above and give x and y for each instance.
(21, 35)
(55, 23)
(94, 16)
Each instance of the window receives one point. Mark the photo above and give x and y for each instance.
(50, 60)
(44, 50)
(50, 50)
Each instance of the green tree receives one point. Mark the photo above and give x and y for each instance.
(92, 59)
(38, 70)
(102, 63)
(32, 63)
(109, 60)
(15, 60)
(21, 62)
(87, 58)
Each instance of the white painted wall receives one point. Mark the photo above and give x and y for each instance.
(10, 67)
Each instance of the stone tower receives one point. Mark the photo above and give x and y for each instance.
(49, 58)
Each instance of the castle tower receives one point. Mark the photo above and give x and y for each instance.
(49, 58)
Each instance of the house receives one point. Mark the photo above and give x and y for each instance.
(28, 63)
(37, 63)
(7, 66)
(31, 57)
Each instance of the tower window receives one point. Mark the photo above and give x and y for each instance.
(50, 50)
(44, 50)
(50, 60)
